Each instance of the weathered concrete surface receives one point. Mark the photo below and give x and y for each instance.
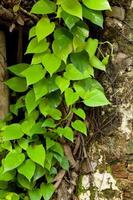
(3, 89)
(111, 155)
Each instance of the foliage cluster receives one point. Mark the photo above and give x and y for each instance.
(53, 90)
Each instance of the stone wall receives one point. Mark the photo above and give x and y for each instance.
(111, 154)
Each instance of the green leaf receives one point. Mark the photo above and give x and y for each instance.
(91, 46)
(64, 163)
(79, 112)
(80, 60)
(24, 183)
(12, 196)
(95, 62)
(30, 101)
(18, 68)
(13, 160)
(97, 5)
(62, 45)
(27, 169)
(70, 96)
(37, 129)
(17, 84)
(6, 145)
(48, 161)
(80, 126)
(40, 89)
(84, 86)
(49, 123)
(72, 73)
(94, 16)
(23, 143)
(35, 194)
(37, 154)
(73, 7)
(58, 149)
(51, 63)
(62, 83)
(95, 98)
(37, 58)
(32, 32)
(33, 74)
(43, 7)
(47, 190)
(49, 143)
(69, 20)
(37, 47)
(12, 132)
(7, 176)
(38, 173)
(66, 132)
(44, 28)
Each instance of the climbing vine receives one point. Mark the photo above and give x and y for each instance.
(53, 91)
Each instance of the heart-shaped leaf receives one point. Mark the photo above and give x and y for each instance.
(37, 154)
(62, 83)
(13, 160)
(44, 28)
(51, 63)
(70, 96)
(27, 169)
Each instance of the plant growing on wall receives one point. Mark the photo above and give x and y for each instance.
(53, 90)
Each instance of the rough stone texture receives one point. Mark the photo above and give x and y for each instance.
(3, 89)
(111, 155)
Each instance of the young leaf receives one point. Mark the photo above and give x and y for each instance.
(33, 74)
(37, 47)
(37, 154)
(70, 96)
(32, 32)
(91, 46)
(30, 101)
(13, 160)
(51, 63)
(17, 84)
(44, 28)
(66, 132)
(79, 112)
(95, 98)
(80, 126)
(62, 83)
(97, 5)
(12, 132)
(35, 194)
(95, 62)
(43, 7)
(49, 123)
(73, 7)
(27, 169)
(47, 190)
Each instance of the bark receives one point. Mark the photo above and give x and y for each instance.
(3, 89)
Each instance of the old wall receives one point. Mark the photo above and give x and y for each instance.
(111, 155)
